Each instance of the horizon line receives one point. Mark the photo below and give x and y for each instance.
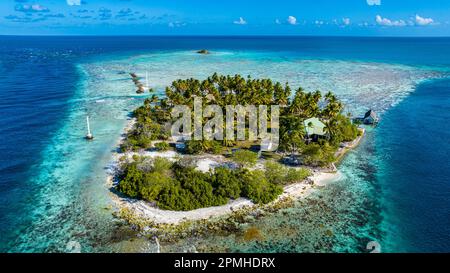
(219, 36)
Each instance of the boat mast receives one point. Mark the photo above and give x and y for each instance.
(89, 135)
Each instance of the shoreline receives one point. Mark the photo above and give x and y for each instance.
(148, 212)
(348, 146)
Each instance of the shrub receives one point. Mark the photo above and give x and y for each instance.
(161, 165)
(131, 180)
(318, 155)
(162, 146)
(202, 192)
(296, 175)
(226, 183)
(179, 187)
(174, 197)
(258, 189)
(216, 147)
(245, 158)
(275, 172)
(154, 184)
(194, 147)
(278, 174)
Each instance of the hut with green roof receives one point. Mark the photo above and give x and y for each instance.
(314, 128)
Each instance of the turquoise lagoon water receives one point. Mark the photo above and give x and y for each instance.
(53, 187)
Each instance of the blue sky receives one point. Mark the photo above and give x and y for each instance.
(230, 17)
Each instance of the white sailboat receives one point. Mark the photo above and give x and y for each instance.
(89, 135)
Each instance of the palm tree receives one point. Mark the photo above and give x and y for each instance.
(296, 106)
(154, 99)
(330, 128)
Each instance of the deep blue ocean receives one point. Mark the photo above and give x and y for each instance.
(407, 156)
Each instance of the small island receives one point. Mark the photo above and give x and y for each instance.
(203, 51)
(180, 177)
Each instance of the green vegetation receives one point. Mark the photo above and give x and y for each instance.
(258, 189)
(203, 146)
(281, 175)
(226, 183)
(245, 158)
(233, 90)
(177, 187)
(148, 127)
(316, 154)
(296, 175)
(162, 146)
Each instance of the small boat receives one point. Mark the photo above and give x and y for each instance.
(89, 136)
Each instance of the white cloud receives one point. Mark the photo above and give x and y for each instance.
(73, 2)
(417, 20)
(31, 8)
(346, 21)
(292, 20)
(387, 22)
(423, 21)
(373, 2)
(240, 22)
(37, 7)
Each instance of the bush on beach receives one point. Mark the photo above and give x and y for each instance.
(162, 146)
(175, 186)
(281, 175)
